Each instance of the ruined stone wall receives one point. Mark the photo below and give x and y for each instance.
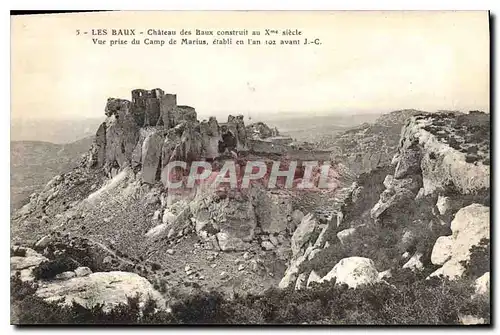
(261, 146)
(145, 106)
(167, 104)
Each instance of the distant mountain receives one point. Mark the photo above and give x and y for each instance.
(53, 130)
(34, 163)
(311, 127)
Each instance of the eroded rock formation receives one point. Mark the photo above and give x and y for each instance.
(151, 129)
(434, 198)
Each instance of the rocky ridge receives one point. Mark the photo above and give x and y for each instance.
(112, 215)
(370, 145)
(434, 204)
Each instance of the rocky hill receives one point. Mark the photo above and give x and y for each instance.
(113, 226)
(115, 208)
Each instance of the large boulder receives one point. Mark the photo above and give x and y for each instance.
(468, 320)
(470, 225)
(414, 263)
(158, 230)
(82, 271)
(444, 163)
(442, 250)
(272, 211)
(230, 243)
(65, 275)
(345, 234)
(107, 288)
(353, 271)
(26, 264)
(291, 272)
(451, 269)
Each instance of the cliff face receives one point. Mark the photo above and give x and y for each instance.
(443, 160)
(439, 155)
(432, 210)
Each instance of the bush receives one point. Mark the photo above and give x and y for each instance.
(49, 269)
(408, 299)
(479, 262)
(28, 309)
(20, 252)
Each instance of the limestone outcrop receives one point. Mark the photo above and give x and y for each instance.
(234, 216)
(25, 265)
(303, 233)
(272, 211)
(260, 130)
(441, 176)
(470, 226)
(107, 288)
(439, 181)
(353, 271)
(482, 284)
(440, 146)
(236, 126)
(210, 136)
(151, 155)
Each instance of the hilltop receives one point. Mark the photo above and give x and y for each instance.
(418, 210)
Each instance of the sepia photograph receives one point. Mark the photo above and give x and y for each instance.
(250, 168)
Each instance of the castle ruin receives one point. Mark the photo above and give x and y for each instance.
(151, 130)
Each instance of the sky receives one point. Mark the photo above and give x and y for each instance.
(368, 62)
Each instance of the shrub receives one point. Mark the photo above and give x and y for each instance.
(49, 269)
(409, 299)
(479, 262)
(20, 252)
